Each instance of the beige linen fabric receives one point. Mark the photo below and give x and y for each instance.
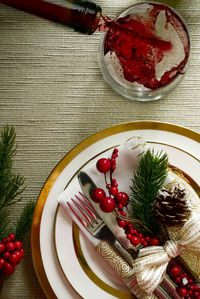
(52, 91)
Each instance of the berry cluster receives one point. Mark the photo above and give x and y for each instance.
(118, 201)
(11, 253)
(185, 285)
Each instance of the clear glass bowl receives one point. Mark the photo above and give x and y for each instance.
(168, 26)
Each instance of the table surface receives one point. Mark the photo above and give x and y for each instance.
(52, 91)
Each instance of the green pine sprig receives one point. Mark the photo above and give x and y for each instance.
(147, 181)
(24, 222)
(4, 224)
(11, 188)
(11, 185)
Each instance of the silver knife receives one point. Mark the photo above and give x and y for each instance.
(129, 252)
(87, 186)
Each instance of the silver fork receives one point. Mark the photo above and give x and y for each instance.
(90, 219)
(85, 216)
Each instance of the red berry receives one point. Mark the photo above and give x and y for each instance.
(18, 244)
(22, 252)
(120, 206)
(154, 242)
(115, 151)
(113, 190)
(6, 254)
(8, 269)
(113, 167)
(112, 161)
(12, 236)
(107, 204)
(4, 240)
(121, 223)
(142, 240)
(19, 254)
(182, 292)
(129, 236)
(147, 239)
(2, 262)
(8, 239)
(97, 195)
(130, 225)
(123, 198)
(178, 280)
(145, 244)
(14, 258)
(196, 293)
(103, 165)
(2, 247)
(189, 292)
(175, 271)
(10, 246)
(135, 241)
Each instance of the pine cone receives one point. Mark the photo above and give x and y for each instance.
(170, 207)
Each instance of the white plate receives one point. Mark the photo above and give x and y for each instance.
(59, 259)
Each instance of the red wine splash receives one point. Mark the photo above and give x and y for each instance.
(134, 40)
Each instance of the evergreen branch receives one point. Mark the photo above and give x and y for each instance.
(147, 181)
(24, 222)
(7, 148)
(4, 224)
(11, 185)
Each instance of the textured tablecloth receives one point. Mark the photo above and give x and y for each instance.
(52, 91)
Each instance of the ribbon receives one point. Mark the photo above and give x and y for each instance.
(151, 263)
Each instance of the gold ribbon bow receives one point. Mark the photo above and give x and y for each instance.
(151, 264)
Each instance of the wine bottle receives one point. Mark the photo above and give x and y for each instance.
(82, 15)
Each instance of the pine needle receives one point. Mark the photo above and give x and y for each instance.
(25, 220)
(11, 185)
(4, 223)
(147, 181)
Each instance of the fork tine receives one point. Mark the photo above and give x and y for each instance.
(75, 214)
(83, 212)
(86, 209)
(88, 204)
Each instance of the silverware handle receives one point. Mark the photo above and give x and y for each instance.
(114, 258)
(126, 255)
(122, 267)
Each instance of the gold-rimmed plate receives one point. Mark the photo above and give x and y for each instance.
(64, 262)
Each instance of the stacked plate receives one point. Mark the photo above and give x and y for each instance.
(66, 265)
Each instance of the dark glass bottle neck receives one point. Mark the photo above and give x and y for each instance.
(83, 15)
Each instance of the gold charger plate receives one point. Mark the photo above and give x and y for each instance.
(49, 270)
